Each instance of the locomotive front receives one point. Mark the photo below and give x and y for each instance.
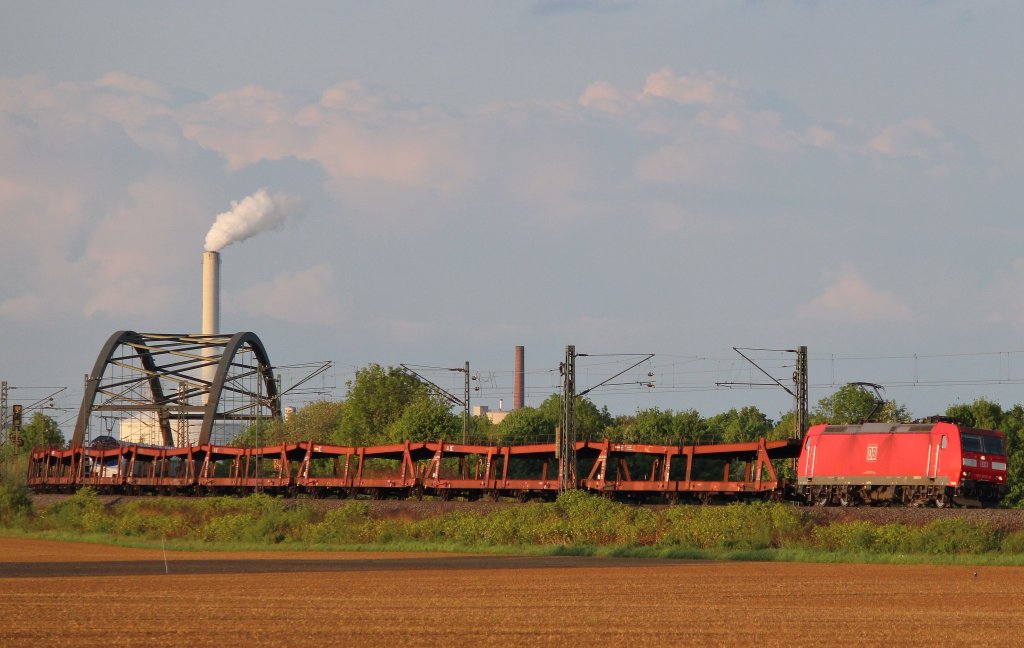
(983, 465)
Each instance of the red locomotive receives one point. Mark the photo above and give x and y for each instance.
(911, 464)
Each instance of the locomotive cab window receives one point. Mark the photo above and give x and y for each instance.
(992, 445)
(942, 442)
(970, 442)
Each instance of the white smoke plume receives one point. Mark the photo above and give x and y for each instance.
(252, 215)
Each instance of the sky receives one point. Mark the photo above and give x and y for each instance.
(628, 177)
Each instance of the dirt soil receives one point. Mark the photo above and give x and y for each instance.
(74, 594)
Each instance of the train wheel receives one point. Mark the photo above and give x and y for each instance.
(848, 497)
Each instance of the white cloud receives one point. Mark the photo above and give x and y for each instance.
(304, 297)
(91, 161)
(848, 297)
(917, 138)
(130, 84)
(603, 96)
(353, 132)
(819, 136)
(358, 97)
(689, 163)
(23, 308)
(125, 274)
(700, 88)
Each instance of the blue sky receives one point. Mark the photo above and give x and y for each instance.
(656, 177)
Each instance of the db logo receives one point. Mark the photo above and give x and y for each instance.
(872, 453)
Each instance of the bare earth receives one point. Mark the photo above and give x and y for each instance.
(54, 593)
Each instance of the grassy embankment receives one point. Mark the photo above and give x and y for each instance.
(577, 524)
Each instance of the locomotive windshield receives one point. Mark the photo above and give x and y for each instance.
(981, 443)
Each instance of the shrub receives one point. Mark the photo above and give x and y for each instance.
(956, 536)
(343, 525)
(593, 520)
(947, 536)
(737, 526)
(1013, 542)
(83, 511)
(15, 504)
(135, 521)
(537, 524)
(256, 518)
(845, 536)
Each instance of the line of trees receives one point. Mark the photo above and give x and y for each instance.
(387, 405)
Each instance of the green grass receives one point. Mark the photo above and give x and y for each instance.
(577, 524)
(759, 555)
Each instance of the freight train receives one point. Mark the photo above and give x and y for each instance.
(933, 464)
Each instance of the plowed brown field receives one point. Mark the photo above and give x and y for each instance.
(54, 593)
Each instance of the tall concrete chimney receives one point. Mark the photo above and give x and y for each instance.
(519, 384)
(211, 293)
(211, 310)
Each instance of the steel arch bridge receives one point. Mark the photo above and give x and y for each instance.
(163, 386)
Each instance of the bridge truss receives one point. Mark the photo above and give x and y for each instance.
(177, 389)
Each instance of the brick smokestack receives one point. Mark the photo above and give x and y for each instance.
(519, 387)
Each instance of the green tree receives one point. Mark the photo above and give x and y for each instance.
(376, 399)
(658, 427)
(265, 432)
(591, 422)
(482, 430)
(651, 426)
(317, 421)
(688, 426)
(425, 420)
(855, 404)
(41, 431)
(526, 425)
(785, 428)
(981, 413)
(1013, 428)
(738, 426)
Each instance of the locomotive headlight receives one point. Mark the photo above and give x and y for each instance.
(973, 463)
